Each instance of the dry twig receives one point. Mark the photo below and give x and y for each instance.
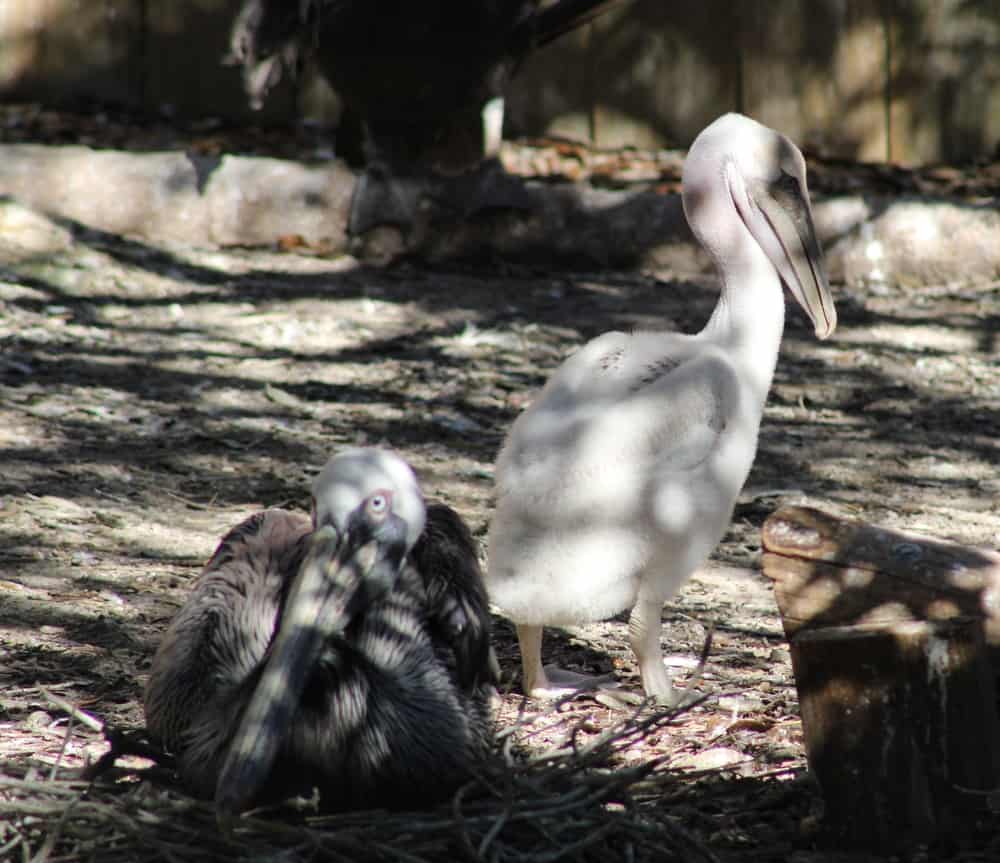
(575, 802)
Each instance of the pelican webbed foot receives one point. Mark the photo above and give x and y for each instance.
(550, 681)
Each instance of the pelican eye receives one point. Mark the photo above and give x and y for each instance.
(787, 191)
(787, 183)
(377, 506)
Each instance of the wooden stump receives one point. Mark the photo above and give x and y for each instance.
(891, 639)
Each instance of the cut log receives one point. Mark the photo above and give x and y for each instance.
(900, 727)
(890, 638)
(829, 571)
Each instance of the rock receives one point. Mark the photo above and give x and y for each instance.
(173, 196)
(912, 241)
(238, 200)
(716, 758)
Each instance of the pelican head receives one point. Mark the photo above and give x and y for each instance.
(737, 163)
(362, 481)
(368, 513)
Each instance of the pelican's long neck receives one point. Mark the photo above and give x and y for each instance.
(750, 316)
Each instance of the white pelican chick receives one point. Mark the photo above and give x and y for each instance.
(620, 479)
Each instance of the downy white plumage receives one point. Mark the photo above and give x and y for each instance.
(620, 479)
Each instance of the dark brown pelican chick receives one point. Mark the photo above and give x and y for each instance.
(349, 654)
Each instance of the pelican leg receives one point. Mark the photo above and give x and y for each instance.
(644, 629)
(533, 678)
(550, 681)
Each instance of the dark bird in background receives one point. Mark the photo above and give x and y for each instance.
(417, 74)
(348, 654)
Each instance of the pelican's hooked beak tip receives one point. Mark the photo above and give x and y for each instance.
(826, 320)
(825, 328)
(819, 305)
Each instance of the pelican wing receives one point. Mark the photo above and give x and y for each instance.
(573, 451)
(685, 410)
(445, 557)
(213, 645)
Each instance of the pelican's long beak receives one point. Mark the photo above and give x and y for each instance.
(800, 261)
(337, 578)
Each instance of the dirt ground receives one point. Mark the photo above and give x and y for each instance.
(151, 397)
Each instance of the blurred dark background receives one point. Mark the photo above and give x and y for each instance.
(911, 82)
